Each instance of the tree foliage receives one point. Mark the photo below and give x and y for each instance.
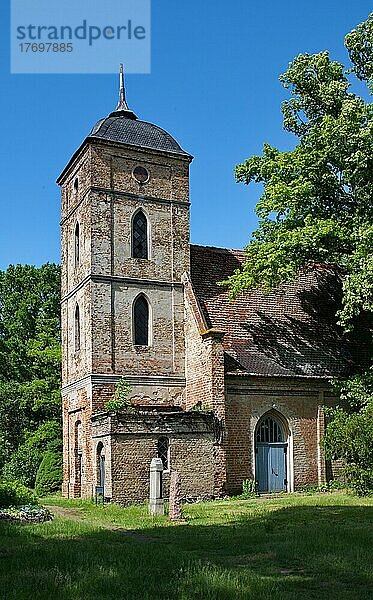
(317, 204)
(25, 461)
(360, 48)
(30, 365)
(350, 437)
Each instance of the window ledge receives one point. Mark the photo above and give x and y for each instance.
(140, 258)
(139, 348)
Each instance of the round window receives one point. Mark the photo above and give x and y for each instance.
(141, 174)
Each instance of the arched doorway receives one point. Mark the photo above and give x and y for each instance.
(270, 455)
(78, 450)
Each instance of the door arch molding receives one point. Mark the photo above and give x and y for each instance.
(271, 452)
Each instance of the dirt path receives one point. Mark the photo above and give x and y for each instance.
(71, 514)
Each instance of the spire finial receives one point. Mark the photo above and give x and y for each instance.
(122, 106)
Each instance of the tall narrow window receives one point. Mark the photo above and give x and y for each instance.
(163, 448)
(78, 453)
(77, 328)
(100, 465)
(139, 236)
(77, 244)
(141, 322)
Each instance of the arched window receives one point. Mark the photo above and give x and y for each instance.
(77, 244)
(141, 321)
(77, 328)
(163, 451)
(269, 431)
(139, 235)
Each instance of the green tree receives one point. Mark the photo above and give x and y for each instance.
(317, 199)
(29, 322)
(30, 359)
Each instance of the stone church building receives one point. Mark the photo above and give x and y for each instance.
(221, 391)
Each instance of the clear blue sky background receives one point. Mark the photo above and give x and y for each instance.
(213, 85)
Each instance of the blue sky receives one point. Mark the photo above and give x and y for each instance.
(213, 85)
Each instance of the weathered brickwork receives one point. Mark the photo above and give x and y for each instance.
(77, 440)
(77, 362)
(74, 273)
(133, 442)
(295, 403)
(205, 375)
(204, 357)
(111, 167)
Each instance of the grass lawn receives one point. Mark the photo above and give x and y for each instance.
(289, 547)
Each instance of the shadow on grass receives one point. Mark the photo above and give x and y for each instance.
(301, 552)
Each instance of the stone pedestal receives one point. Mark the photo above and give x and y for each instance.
(175, 512)
(156, 502)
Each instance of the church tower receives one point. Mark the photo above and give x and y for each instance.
(125, 247)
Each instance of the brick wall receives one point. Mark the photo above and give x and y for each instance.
(204, 357)
(76, 363)
(111, 167)
(76, 410)
(133, 439)
(205, 374)
(297, 403)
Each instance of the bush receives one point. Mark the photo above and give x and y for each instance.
(14, 493)
(26, 460)
(121, 397)
(324, 488)
(49, 475)
(350, 437)
(248, 488)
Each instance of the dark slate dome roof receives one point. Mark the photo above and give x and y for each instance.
(123, 129)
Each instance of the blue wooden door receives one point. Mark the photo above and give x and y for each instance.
(276, 468)
(262, 462)
(270, 455)
(271, 467)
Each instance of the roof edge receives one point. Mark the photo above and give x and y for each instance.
(64, 171)
(202, 247)
(100, 141)
(191, 296)
(281, 376)
(183, 155)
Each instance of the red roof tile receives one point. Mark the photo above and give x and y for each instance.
(291, 331)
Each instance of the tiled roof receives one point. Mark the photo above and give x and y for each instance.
(135, 133)
(290, 332)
